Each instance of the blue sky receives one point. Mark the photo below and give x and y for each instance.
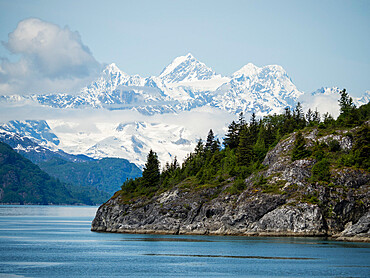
(319, 43)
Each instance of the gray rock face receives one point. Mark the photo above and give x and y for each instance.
(179, 212)
(296, 206)
(302, 219)
(359, 231)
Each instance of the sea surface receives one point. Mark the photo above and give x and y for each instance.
(56, 241)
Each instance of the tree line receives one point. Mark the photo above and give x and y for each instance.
(244, 147)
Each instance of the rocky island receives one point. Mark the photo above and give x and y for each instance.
(313, 182)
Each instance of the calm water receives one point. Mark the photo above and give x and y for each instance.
(52, 241)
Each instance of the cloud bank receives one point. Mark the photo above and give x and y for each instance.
(324, 103)
(198, 121)
(52, 59)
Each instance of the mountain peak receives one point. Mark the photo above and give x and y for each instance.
(112, 68)
(186, 68)
(189, 56)
(247, 70)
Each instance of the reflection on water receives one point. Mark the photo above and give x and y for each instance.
(233, 257)
(56, 241)
(177, 239)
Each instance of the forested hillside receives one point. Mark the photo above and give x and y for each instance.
(293, 174)
(106, 174)
(247, 143)
(22, 182)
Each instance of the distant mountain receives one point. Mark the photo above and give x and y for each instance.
(106, 175)
(22, 182)
(128, 140)
(260, 90)
(184, 84)
(186, 69)
(25, 142)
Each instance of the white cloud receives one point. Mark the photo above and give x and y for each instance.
(198, 121)
(324, 103)
(52, 59)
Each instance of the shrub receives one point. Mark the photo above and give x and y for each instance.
(299, 149)
(321, 171)
(237, 187)
(334, 146)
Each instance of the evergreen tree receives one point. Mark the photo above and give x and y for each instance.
(316, 117)
(151, 173)
(245, 149)
(210, 141)
(215, 146)
(241, 121)
(309, 116)
(345, 103)
(328, 119)
(299, 148)
(231, 137)
(288, 113)
(175, 164)
(199, 148)
(361, 146)
(253, 127)
(299, 116)
(270, 136)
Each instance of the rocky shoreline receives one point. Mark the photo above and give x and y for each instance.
(298, 207)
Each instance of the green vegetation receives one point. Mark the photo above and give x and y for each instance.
(106, 174)
(321, 171)
(299, 150)
(22, 182)
(246, 145)
(151, 173)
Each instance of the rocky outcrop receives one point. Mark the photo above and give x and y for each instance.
(281, 200)
(359, 231)
(303, 219)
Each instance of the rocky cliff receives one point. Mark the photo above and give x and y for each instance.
(281, 200)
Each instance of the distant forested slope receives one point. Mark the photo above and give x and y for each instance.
(22, 182)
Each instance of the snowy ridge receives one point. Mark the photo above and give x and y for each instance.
(33, 151)
(131, 141)
(184, 84)
(37, 131)
(261, 90)
(185, 69)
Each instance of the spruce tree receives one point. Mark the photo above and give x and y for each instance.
(345, 103)
(210, 140)
(309, 116)
(199, 148)
(151, 173)
(241, 121)
(299, 148)
(299, 116)
(231, 137)
(215, 146)
(244, 152)
(316, 117)
(253, 128)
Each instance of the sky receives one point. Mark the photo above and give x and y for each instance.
(319, 43)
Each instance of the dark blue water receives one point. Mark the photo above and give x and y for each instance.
(52, 241)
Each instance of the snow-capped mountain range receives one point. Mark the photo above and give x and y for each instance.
(131, 141)
(184, 84)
